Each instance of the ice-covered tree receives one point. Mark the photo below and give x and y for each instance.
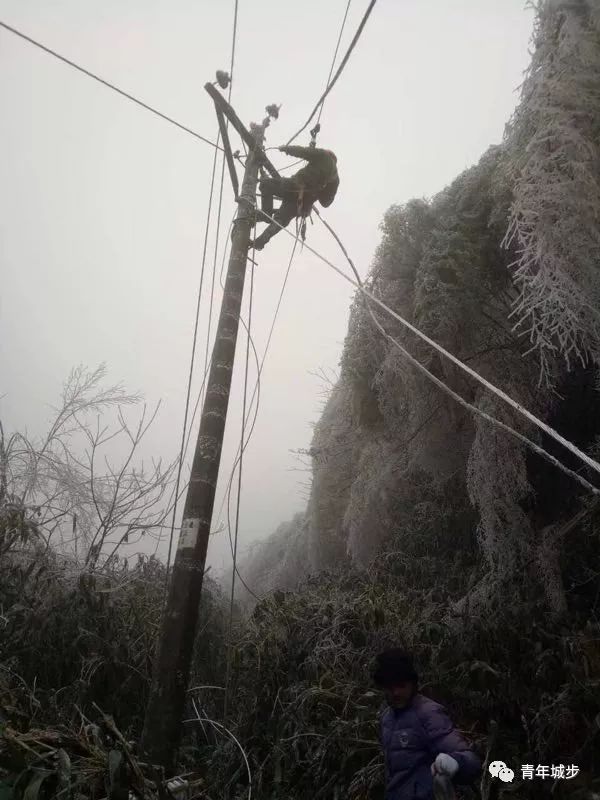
(553, 158)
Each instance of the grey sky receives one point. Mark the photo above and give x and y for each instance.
(103, 206)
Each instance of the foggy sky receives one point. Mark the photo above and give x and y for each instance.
(103, 206)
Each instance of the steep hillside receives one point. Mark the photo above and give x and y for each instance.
(428, 524)
(501, 269)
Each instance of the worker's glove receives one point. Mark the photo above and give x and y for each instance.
(444, 765)
(283, 149)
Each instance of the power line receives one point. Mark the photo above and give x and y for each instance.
(214, 269)
(106, 83)
(340, 69)
(243, 431)
(337, 47)
(200, 391)
(479, 378)
(257, 385)
(255, 392)
(455, 396)
(191, 371)
(144, 105)
(239, 491)
(227, 494)
(197, 318)
(179, 493)
(161, 731)
(293, 164)
(248, 340)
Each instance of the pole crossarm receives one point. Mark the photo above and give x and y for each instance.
(228, 153)
(224, 108)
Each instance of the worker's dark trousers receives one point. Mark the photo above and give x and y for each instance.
(284, 188)
(287, 190)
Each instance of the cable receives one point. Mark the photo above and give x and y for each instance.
(330, 86)
(191, 370)
(248, 340)
(257, 384)
(107, 84)
(293, 164)
(202, 387)
(337, 47)
(444, 387)
(225, 251)
(179, 493)
(196, 322)
(233, 43)
(480, 379)
(239, 492)
(255, 392)
(214, 270)
(207, 360)
(243, 441)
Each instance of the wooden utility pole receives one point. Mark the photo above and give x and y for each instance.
(162, 726)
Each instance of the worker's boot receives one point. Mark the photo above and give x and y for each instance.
(265, 236)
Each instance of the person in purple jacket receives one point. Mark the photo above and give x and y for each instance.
(418, 738)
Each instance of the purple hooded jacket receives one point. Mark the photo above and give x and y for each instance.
(412, 737)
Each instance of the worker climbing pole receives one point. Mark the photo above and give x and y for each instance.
(318, 180)
(162, 726)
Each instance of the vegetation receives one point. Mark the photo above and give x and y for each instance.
(426, 525)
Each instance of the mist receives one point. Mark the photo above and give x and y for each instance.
(104, 206)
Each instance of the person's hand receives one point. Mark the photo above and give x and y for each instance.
(283, 149)
(444, 765)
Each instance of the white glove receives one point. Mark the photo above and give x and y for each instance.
(444, 765)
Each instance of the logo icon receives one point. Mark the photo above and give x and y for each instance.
(498, 769)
